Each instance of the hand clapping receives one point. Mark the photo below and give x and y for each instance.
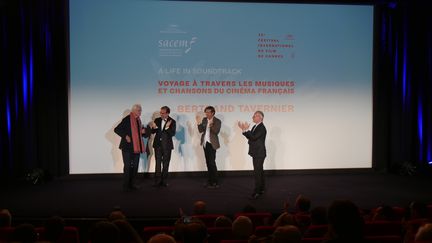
(243, 125)
(198, 120)
(153, 125)
(168, 124)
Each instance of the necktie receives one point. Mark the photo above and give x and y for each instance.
(253, 128)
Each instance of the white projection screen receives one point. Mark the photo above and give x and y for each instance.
(308, 67)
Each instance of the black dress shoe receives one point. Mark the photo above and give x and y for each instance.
(213, 186)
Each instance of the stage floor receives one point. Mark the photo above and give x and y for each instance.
(93, 196)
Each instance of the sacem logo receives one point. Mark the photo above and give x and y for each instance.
(175, 41)
(176, 46)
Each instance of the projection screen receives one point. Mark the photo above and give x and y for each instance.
(308, 67)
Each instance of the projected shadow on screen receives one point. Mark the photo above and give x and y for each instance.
(224, 140)
(195, 145)
(180, 135)
(237, 147)
(273, 147)
(145, 165)
(114, 139)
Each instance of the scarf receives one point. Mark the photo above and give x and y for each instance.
(136, 134)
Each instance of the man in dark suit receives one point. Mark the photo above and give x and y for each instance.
(165, 128)
(131, 132)
(210, 127)
(256, 140)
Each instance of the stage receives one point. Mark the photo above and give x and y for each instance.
(93, 196)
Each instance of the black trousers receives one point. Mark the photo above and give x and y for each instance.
(130, 168)
(163, 157)
(258, 164)
(210, 156)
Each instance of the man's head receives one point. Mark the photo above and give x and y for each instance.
(104, 232)
(199, 207)
(5, 218)
(242, 227)
(136, 110)
(162, 238)
(258, 117)
(287, 233)
(223, 221)
(116, 214)
(209, 112)
(303, 203)
(195, 232)
(424, 233)
(164, 112)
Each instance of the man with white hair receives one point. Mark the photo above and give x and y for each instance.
(257, 150)
(132, 145)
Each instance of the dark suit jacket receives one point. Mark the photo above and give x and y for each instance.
(256, 140)
(163, 137)
(123, 129)
(214, 131)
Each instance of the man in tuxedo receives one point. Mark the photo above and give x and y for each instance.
(210, 127)
(131, 132)
(257, 150)
(165, 128)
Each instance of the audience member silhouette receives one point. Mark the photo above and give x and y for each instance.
(54, 227)
(287, 234)
(223, 221)
(161, 238)
(199, 208)
(194, 232)
(127, 232)
(284, 219)
(318, 216)
(104, 232)
(345, 223)
(5, 218)
(424, 233)
(25, 233)
(242, 228)
(384, 213)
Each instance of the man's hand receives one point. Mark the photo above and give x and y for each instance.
(198, 120)
(243, 125)
(143, 130)
(128, 139)
(153, 125)
(168, 124)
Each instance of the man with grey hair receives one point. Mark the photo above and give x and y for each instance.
(132, 145)
(257, 150)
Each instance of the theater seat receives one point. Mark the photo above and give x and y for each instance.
(399, 212)
(377, 228)
(234, 241)
(429, 211)
(384, 239)
(216, 234)
(70, 234)
(316, 231)
(312, 240)
(6, 234)
(264, 231)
